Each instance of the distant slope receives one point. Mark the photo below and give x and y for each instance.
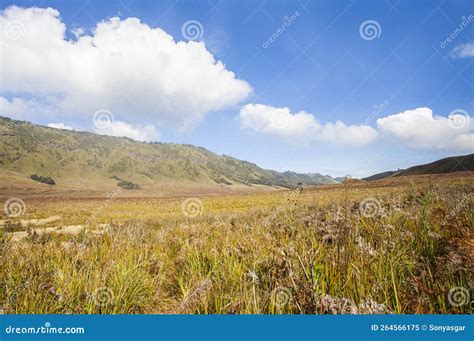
(447, 165)
(379, 176)
(443, 166)
(81, 159)
(343, 178)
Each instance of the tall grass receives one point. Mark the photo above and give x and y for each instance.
(299, 255)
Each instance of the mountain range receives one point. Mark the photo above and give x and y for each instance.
(32, 155)
(89, 161)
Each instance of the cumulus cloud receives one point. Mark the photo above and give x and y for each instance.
(277, 121)
(419, 128)
(302, 126)
(145, 133)
(356, 135)
(27, 109)
(14, 108)
(60, 126)
(463, 51)
(126, 66)
(17, 108)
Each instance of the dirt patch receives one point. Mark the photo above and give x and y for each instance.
(40, 222)
(70, 229)
(35, 222)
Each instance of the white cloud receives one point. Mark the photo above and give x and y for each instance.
(139, 133)
(277, 121)
(125, 66)
(17, 108)
(418, 128)
(352, 135)
(23, 109)
(463, 51)
(14, 108)
(60, 126)
(302, 126)
(77, 32)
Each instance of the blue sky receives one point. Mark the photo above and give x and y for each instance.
(323, 67)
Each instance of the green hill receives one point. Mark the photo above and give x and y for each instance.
(380, 176)
(85, 160)
(452, 164)
(446, 165)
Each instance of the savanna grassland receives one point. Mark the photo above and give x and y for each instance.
(399, 246)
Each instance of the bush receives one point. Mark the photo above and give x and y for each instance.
(44, 179)
(222, 180)
(127, 184)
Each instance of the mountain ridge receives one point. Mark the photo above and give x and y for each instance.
(450, 164)
(442, 166)
(73, 156)
(379, 176)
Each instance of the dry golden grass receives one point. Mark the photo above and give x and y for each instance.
(396, 246)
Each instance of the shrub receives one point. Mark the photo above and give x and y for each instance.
(127, 184)
(44, 179)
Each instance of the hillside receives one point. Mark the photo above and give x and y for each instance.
(89, 161)
(452, 164)
(343, 178)
(379, 176)
(446, 165)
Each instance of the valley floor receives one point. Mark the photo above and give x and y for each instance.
(395, 246)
